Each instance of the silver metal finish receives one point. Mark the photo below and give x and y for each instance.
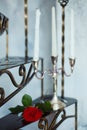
(56, 103)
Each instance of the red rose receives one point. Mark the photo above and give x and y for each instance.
(32, 114)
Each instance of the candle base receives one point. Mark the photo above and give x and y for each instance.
(56, 103)
(35, 65)
(72, 63)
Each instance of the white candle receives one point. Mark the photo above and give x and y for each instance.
(72, 40)
(54, 42)
(36, 41)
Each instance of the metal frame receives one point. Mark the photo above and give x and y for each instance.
(26, 78)
(43, 122)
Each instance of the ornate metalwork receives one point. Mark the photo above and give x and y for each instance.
(63, 2)
(25, 80)
(55, 102)
(22, 72)
(43, 123)
(26, 75)
(63, 118)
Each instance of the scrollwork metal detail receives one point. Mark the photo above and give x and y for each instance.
(43, 123)
(63, 118)
(22, 72)
(26, 77)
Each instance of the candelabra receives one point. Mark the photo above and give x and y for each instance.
(56, 103)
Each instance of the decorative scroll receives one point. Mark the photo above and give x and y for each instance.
(22, 73)
(25, 80)
(43, 123)
(63, 118)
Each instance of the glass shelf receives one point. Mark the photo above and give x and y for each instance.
(12, 62)
(14, 122)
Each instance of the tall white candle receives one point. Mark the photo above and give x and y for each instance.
(36, 41)
(72, 40)
(54, 42)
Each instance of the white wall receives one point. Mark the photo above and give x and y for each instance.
(75, 86)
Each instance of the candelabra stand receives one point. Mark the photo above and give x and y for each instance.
(56, 103)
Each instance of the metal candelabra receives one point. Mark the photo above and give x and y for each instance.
(56, 103)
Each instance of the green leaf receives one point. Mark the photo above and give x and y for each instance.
(45, 107)
(17, 109)
(40, 106)
(48, 106)
(27, 100)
